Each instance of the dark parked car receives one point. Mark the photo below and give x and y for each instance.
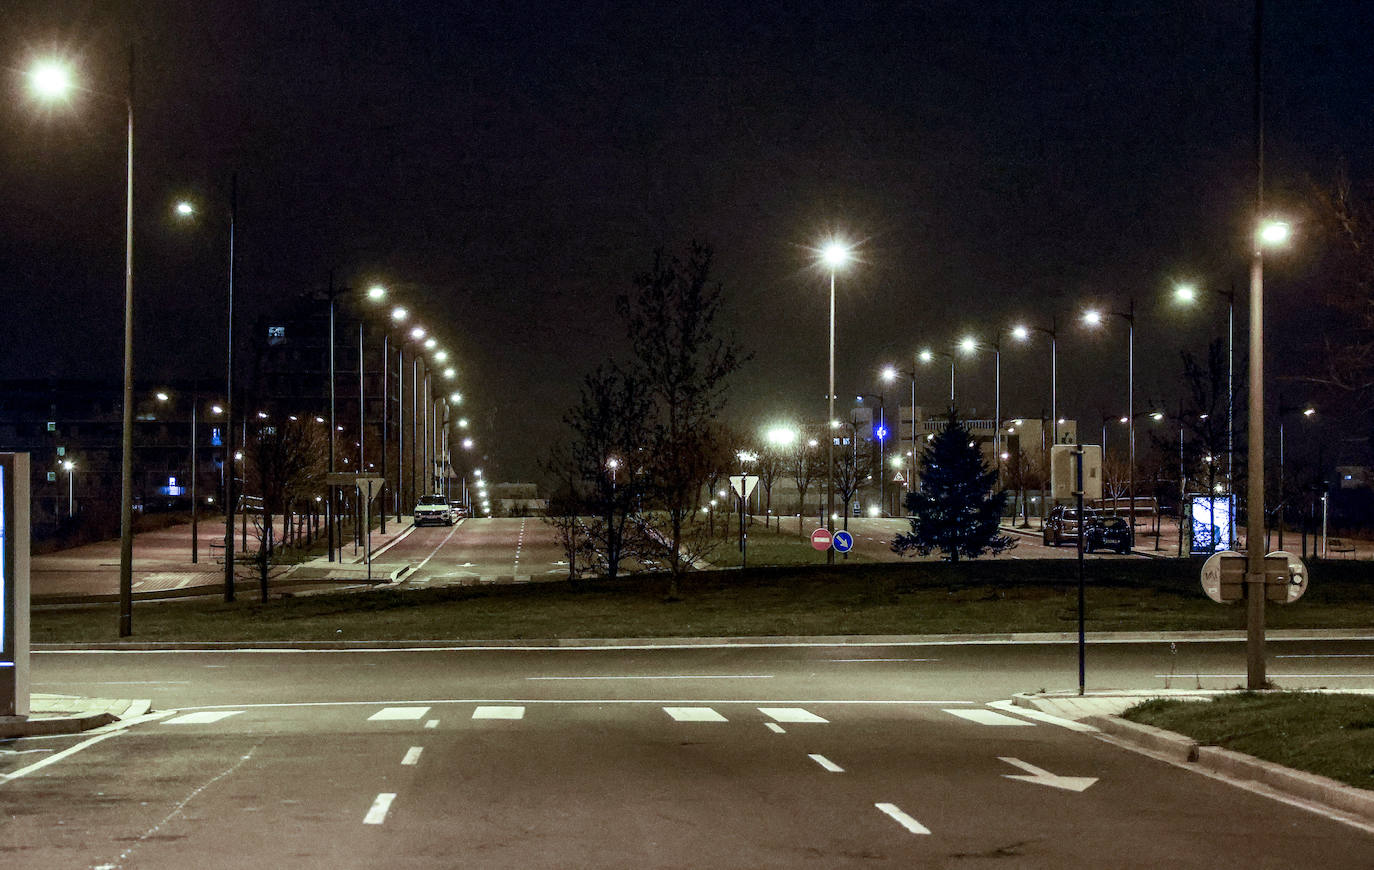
(1061, 526)
(1109, 533)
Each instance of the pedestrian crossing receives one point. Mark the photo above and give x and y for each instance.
(429, 716)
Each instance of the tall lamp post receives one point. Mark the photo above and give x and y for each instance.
(1284, 411)
(927, 355)
(1187, 294)
(53, 81)
(70, 467)
(1023, 333)
(890, 374)
(1093, 317)
(835, 254)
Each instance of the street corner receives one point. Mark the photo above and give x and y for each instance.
(70, 714)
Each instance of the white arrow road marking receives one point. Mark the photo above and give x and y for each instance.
(903, 819)
(377, 814)
(1044, 777)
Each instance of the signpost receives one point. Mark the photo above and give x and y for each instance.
(14, 584)
(1223, 577)
(743, 485)
(369, 484)
(843, 542)
(821, 539)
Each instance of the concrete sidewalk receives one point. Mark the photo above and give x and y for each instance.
(162, 566)
(69, 714)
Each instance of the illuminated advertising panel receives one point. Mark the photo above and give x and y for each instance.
(1212, 521)
(14, 584)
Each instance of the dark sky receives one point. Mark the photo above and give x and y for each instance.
(510, 169)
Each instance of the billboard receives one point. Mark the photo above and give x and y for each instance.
(14, 584)
(1064, 471)
(1211, 519)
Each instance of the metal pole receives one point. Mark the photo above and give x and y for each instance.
(1130, 392)
(362, 405)
(1182, 484)
(830, 433)
(126, 486)
(911, 469)
(1082, 645)
(71, 493)
(1254, 507)
(386, 365)
(229, 406)
(997, 409)
(195, 507)
(400, 428)
(333, 425)
(1280, 508)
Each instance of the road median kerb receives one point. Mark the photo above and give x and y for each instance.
(1184, 750)
(82, 714)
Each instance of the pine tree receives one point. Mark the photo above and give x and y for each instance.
(955, 510)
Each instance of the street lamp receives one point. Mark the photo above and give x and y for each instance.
(70, 467)
(890, 374)
(971, 345)
(1284, 410)
(834, 254)
(1093, 317)
(881, 434)
(52, 80)
(927, 355)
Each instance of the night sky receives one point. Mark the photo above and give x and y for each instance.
(508, 171)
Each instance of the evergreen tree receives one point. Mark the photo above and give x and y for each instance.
(955, 510)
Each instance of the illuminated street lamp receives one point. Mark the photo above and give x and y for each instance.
(927, 356)
(1093, 317)
(834, 254)
(52, 80)
(70, 467)
(1186, 294)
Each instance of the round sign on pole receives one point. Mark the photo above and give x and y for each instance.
(844, 542)
(820, 539)
(1212, 577)
(1297, 575)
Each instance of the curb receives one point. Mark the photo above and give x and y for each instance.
(1237, 765)
(47, 726)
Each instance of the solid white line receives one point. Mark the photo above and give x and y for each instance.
(667, 677)
(412, 756)
(416, 569)
(377, 814)
(903, 819)
(775, 728)
(1272, 676)
(884, 660)
(1327, 656)
(1041, 716)
(201, 717)
(51, 759)
(826, 763)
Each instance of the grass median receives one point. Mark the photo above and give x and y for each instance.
(983, 597)
(1327, 734)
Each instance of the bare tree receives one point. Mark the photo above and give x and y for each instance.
(286, 459)
(684, 364)
(771, 465)
(804, 465)
(853, 468)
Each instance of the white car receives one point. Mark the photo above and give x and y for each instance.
(433, 509)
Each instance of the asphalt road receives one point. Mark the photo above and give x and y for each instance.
(510, 550)
(714, 756)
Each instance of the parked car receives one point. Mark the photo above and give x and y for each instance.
(1062, 525)
(459, 509)
(433, 509)
(1109, 533)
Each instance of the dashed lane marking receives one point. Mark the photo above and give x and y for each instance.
(377, 814)
(775, 728)
(906, 821)
(204, 717)
(412, 756)
(694, 714)
(432, 723)
(790, 714)
(826, 763)
(988, 717)
(394, 713)
(494, 712)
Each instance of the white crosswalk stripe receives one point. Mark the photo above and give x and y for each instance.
(398, 713)
(694, 714)
(202, 717)
(790, 714)
(496, 712)
(988, 717)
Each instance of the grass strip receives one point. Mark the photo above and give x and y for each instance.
(913, 598)
(1327, 734)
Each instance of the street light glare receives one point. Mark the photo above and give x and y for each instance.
(835, 254)
(51, 80)
(398, 314)
(376, 291)
(1275, 232)
(441, 356)
(968, 344)
(889, 373)
(1309, 412)
(185, 209)
(430, 343)
(781, 436)
(927, 356)
(161, 396)
(1092, 317)
(1185, 293)
(417, 332)
(1020, 333)
(467, 443)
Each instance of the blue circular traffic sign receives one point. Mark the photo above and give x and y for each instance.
(844, 542)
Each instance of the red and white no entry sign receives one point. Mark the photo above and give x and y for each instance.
(820, 539)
